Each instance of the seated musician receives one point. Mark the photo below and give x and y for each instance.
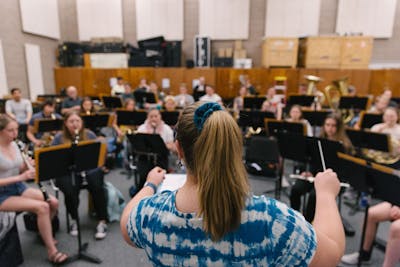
(238, 102)
(379, 213)
(380, 105)
(129, 105)
(155, 125)
(272, 104)
(296, 115)
(169, 103)
(73, 124)
(16, 196)
(388, 126)
(211, 96)
(87, 106)
(48, 112)
(72, 101)
(333, 129)
(183, 99)
(159, 96)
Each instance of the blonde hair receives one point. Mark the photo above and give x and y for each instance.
(213, 156)
(4, 121)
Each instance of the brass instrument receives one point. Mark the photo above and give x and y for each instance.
(333, 93)
(251, 131)
(312, 88)
(386, 158)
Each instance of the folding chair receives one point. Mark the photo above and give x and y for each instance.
(264, 152)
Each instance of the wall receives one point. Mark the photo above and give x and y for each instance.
(13, 40)
(385, 50)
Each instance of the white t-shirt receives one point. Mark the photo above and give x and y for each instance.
(212, 98)
(117, 89)
(19, 109)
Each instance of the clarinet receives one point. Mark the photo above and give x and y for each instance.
(21, 147)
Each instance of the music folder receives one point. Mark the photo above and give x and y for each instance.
(370, 140)
(253, 102)
(170, 117)
(301, 100)
(125, 117)
(97, 120)
(367, 120)
(144, 97)
(254, 118)
(315, 118)
(273, 127)
(112, 102)
(47, 125)
(56, 161)
(353, 102)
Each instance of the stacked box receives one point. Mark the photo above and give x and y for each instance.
(356, 52)
(320, 52)
(280, 52)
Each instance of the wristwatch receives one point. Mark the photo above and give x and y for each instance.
(151, 185)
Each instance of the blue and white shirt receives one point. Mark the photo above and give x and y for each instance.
(270, 234)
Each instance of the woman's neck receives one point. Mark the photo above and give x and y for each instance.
(187, 196)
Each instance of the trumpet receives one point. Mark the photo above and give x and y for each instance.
(21, 147)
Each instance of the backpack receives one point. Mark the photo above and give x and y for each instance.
(115, 202)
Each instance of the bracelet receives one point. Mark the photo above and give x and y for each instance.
(153, 186)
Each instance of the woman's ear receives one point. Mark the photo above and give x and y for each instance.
(179, 149)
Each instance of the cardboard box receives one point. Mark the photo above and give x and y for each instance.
(238, 45)
(239, 54)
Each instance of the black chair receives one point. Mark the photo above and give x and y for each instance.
(264, 152)
(10, 248)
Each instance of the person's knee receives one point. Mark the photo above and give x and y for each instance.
(54, 203)
(42, 208)
(395, 229)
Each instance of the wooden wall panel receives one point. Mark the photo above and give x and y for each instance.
(136, 74)
(194, 73)
(292, 81)
(393, 81)
(175, 76)
(329, 75)
(97, 81)
(65, 77)
(360, 79)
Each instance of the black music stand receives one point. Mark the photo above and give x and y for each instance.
(170, 117)
(370, 140)
(274, 127)
(125, 117)
(47, 125)
(254, 118)
(353, 102)
(112, 102)
(96, 121)
(301, 100)
(253, 102)
(67, 160)
(316, 118)
(150, 145)
(369, 119)
(144, 97)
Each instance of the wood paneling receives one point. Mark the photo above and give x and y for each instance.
(136, 74)
(208, 73)
(225, 80)
(65, 77)
(175, 76)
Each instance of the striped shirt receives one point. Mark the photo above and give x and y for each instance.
(270, 234)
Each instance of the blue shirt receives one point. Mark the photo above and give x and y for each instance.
(270, 234)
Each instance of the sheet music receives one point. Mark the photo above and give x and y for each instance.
(172, 182)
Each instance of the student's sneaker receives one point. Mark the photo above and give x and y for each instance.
(73, 229)
(352, 259)
(101, 231)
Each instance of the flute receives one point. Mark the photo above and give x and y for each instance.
(21, 147)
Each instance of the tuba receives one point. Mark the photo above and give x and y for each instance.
(333, 93)
(312, 88)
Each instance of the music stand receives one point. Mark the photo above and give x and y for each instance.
(47, 125)
(144, 97)
(133, 118)
(97, 121)
(150, 145)
(301, 100)
(67, 160)
(254, 118)
(112, 102)
(170, 117)
(367, 120)
(273, 127)
(370, 140)
(353, 102)
(315, 118)
(253, 102)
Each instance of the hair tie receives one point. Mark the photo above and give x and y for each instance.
(203, 112)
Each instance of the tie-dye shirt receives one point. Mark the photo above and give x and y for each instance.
(270, 234)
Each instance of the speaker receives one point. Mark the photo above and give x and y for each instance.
(173, 51)
(202, 51)
(156, 43)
